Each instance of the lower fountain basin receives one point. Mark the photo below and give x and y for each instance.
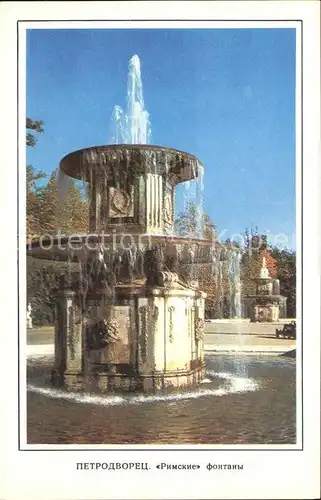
(102, 381)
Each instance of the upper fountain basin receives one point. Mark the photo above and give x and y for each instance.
(139, 158)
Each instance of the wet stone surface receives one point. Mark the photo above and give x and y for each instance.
(243, 400)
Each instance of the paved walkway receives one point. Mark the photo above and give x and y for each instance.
(235, 336)
(220, 342)
(243, 326)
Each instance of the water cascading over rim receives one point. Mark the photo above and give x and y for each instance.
(131, 186)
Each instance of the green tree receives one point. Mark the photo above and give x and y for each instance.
(34, 202)
(50, 206)
(209, 228)
(68, 214)
(47, 213)
(254, 241)
(36, 126)
(286, 265)
(42, 286)
(75, 215)
(255, 248)
(33, 191)
(187, 223)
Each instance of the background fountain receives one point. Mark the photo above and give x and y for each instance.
(265, 306)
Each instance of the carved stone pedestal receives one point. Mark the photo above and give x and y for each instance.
(171, 333)
(141, 328)
(266, 303)
(150, 340)
(68, 338)
(266, 313)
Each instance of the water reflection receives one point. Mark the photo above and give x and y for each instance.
(229, 408)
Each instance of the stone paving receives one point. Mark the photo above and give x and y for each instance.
(220, 342)
(244, 336)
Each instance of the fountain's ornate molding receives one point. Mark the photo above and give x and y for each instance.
(120, 203)
(171, 311)
(102, 333)
(148, 322)
(168, 208)
(168, 279)
(144, 312)
(199, 329)
(71, 331)
(110, 331)
(193, 283)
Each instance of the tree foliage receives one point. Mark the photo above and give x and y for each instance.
(33, 191)
(188, 223)
(47, 213)
(43, 279)
(286, 266)
(36, 126)
(68, 213)
(34, 201)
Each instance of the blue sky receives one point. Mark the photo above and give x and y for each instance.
(224, 95)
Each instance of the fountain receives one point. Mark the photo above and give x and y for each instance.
(127, 319)
(265, 305)
(132, 316)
